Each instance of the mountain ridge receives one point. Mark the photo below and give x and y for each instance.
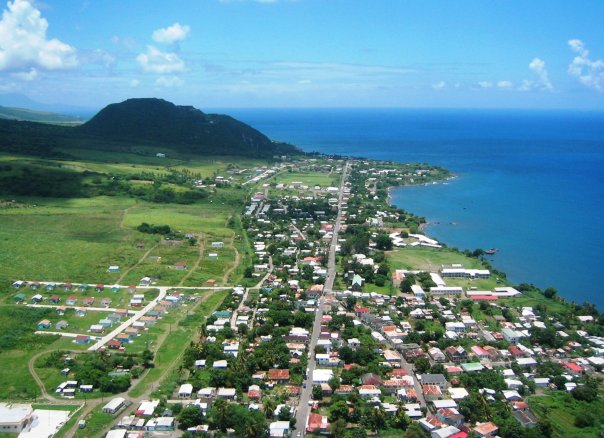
(146, 122)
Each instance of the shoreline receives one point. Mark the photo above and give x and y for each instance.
(422, 228)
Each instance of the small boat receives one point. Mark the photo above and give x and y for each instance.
(491, 251)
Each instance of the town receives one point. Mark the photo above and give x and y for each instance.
(348, 322)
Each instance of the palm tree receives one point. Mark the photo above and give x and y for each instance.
(268, 406)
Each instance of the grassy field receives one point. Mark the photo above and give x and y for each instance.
(561, 409)
(429, 259)
(310, 179)
(67, 240)
(96, 422)
(15, 381)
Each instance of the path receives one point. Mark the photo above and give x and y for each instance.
(202, 247)
(142, 259)
(123, 326)
(229, 271)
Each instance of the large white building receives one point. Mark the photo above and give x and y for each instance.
(15, 417)
(446, 290)
(465, 273)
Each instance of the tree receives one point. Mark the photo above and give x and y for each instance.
(189, 416)
(585, 419)
(375, 418)
(406, 285)
(338, 428)
(268, 406)
(285, 413)
(586, 392)
(416, 431)
(317, 393)
(338, 410)
(219, 415)
(550, 293)
(255, 425)
(383, 242)
(422, 364)
(334, 383)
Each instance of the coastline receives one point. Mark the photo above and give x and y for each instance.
(567, 301)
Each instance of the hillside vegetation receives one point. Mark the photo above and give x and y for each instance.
(143, 126)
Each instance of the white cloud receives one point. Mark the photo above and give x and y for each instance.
(171, 34)
(24, 44)
(169, 82)
(26, 76)
(589, 73)
(439, 85)
(485, 84)
(505, 84)
(538, 67)
(305, 81)
(100, 56)
(542, 81)
(156, 61)
(135, 83)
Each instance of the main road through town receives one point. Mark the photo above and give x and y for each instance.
(306, 392)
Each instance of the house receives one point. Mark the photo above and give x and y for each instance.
(19, 298)
(88, 301)
(83, 339)
(456, 354)
(357, 283)
(212, 256)
(99, 288)
(61, 325)
(317, 423)
(114, 405)
(161, 424)
(511, 336)
(54, 299)
(480, 352)
(217, 245)
(446, 432)
(434, 379)
(80, 312)
(254, 392)
(106, 302)
(436, 354)
(114, 344)
(180, 266)
(97, 328)
(228, 393)
(185, 390)
(279, 376)
(71, 300)
(37, 298)
(113, 269)
(432, 392)
(487, 429)
(44, 324)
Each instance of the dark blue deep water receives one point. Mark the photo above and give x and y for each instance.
(530, 183)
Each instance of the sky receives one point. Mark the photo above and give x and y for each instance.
(306, 53)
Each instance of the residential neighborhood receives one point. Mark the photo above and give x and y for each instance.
(352, 323)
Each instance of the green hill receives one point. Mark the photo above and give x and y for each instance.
(37, 116)
(138, 123)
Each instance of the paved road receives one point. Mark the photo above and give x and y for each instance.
(124, 325)
(306, 392)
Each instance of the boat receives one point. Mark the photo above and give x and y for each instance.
(491, 251)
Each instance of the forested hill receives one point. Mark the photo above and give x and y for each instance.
(145, 122)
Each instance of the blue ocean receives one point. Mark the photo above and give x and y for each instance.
(530, 183)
